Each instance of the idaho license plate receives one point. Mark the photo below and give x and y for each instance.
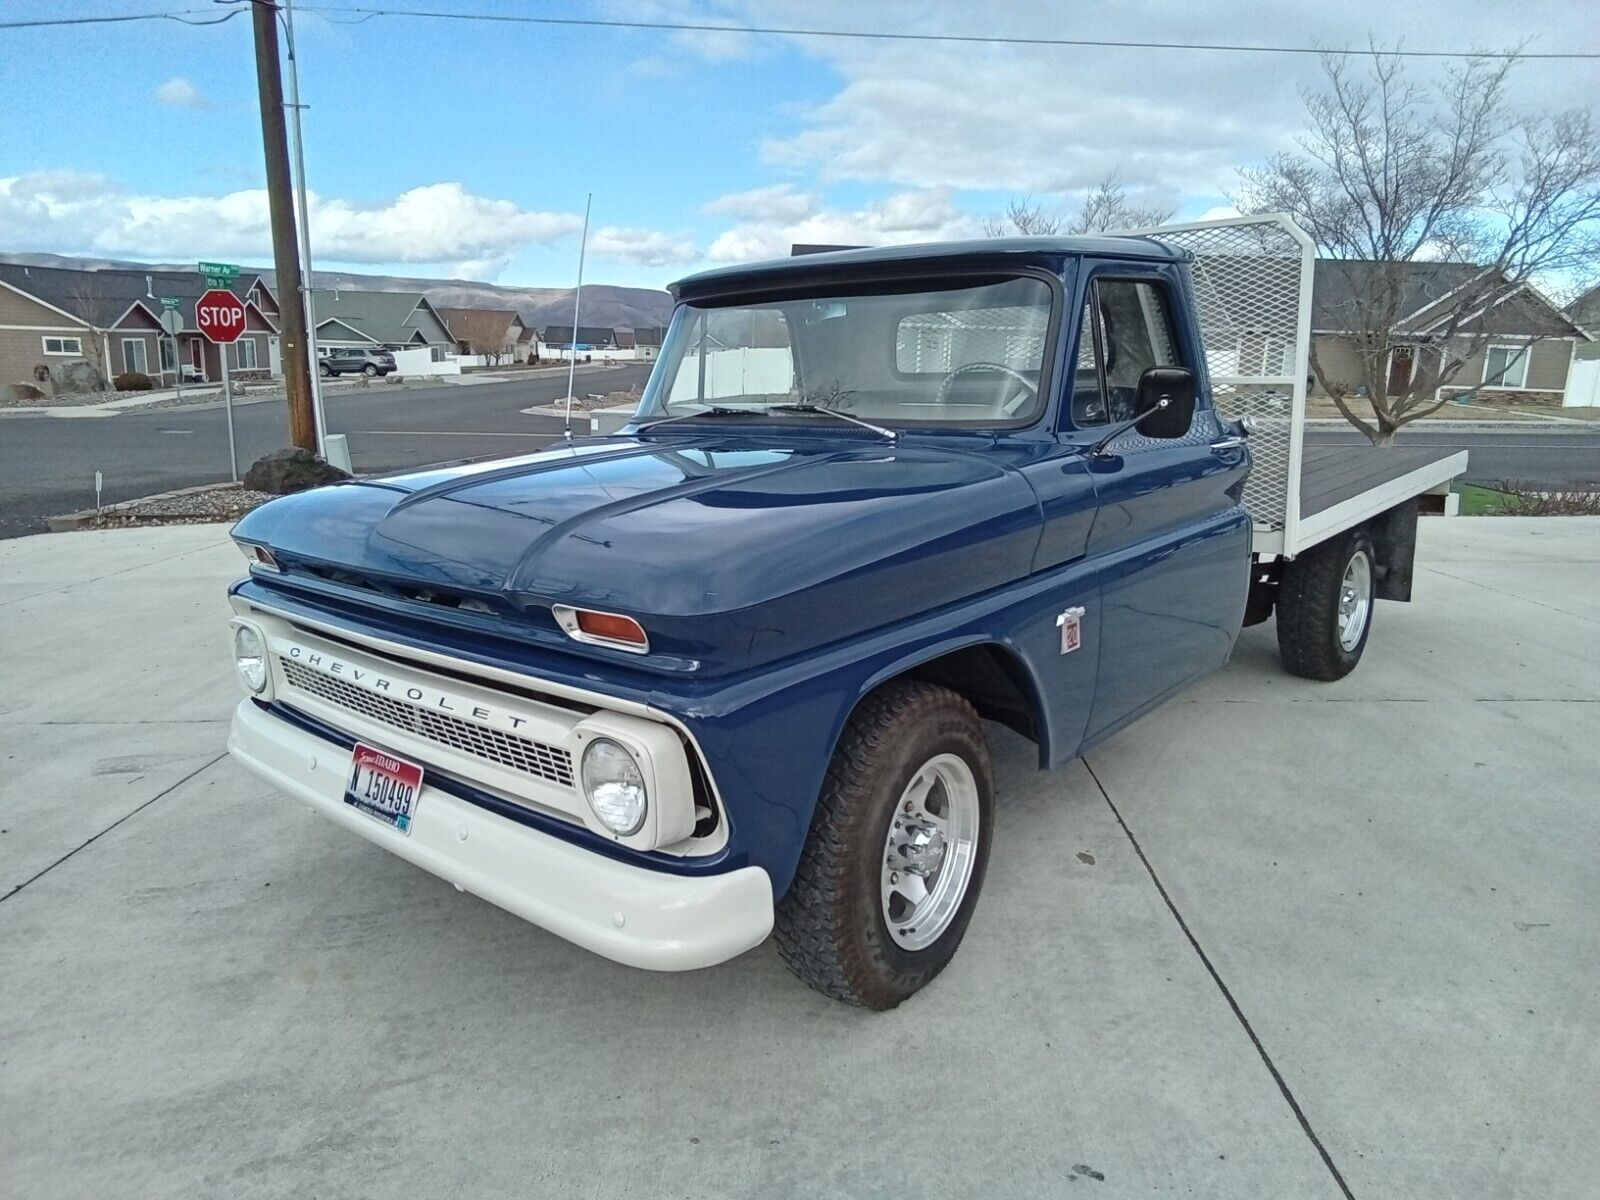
(384, 786)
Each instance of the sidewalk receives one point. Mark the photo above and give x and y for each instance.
(1271, 922)
(210, 395)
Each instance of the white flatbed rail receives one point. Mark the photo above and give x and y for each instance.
(1253, 281)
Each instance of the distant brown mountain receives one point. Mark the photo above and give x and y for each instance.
(603, 303)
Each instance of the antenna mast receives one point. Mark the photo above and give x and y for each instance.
(577, 300)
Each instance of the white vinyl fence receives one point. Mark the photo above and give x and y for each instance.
(420, 362)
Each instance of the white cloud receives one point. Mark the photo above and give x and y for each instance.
(776, 203)
(1053, 120)
(921, 215)
(438, 224)
(643, 247)
(179, 92)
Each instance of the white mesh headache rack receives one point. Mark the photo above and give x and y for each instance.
(1252, 279)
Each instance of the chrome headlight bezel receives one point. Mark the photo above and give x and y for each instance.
(251, 663)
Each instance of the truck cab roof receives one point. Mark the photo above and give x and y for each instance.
(1000, 252)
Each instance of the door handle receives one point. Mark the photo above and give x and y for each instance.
(1228, 443)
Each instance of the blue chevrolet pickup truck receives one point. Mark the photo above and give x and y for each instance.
(725, 673)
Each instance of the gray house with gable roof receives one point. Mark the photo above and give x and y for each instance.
(396, 320)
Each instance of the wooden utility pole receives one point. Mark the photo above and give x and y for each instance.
(285, 244)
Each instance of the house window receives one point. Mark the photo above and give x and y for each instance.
(169, 356)
(135, 355)
(1277, 355)
(1505, 367)
(245, 354)
(63, 345)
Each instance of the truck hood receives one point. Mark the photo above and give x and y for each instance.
(731, 551)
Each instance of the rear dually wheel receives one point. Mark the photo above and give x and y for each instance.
(1325, 603)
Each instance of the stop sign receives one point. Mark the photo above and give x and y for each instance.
(220, 315)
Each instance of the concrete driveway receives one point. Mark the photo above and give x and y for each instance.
(1279, 939)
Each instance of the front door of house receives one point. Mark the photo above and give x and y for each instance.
(274, 357)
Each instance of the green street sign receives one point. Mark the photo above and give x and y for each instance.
(170, 303)
(218, 274)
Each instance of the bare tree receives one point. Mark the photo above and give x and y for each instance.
(91, 301)
(1391, 173)
(1105, 208)
(1108, 208)
(1022, 217)
(482, 331)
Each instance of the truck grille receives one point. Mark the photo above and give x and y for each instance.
(551, 763)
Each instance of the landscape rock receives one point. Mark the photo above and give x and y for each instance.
(15, 392)
(76, 379)
(292, 470)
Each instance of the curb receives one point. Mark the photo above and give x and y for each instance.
(70, 522)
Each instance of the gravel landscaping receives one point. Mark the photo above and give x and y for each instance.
(583, 404)
(195, 506)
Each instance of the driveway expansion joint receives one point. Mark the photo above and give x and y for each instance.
(167, 791)
(1227, 994)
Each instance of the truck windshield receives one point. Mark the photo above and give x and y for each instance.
(970, 355)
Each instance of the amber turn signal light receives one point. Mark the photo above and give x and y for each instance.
(602, 628)
(610, 626)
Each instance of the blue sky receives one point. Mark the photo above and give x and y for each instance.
(441, 148)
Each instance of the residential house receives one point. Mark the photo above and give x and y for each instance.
(1585, 314)
(495, 332)
(530, 348)
(1529, 342)
(589, 337)
(644, 341)
(36, 333)
(112, 320)
(346, 317)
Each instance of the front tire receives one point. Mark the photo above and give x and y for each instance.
(896, 854)
(1325, 603)
(326, 372)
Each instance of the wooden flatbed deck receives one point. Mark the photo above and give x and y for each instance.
(1331, 475)
(1342, 486)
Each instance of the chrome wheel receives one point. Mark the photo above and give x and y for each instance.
(1355, 600)
(930, 852)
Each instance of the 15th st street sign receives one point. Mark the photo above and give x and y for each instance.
(220, 315)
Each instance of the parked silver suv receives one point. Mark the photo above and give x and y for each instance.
(349, 360)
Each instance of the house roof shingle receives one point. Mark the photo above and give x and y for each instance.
(102, 297)
(1339, 285)
(380, 316)
(459, 319)
(588, 335)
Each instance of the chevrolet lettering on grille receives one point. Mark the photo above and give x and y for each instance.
(403, 689)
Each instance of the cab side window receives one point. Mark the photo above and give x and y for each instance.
(1135, 332)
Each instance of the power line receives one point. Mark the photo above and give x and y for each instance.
(366, 13)
(182, 17)
(883, 36)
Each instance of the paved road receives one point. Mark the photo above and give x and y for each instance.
(47, 465)
(1547, 458)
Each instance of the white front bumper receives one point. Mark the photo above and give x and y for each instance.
(634, 915)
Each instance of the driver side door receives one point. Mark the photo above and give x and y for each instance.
(1171, 538)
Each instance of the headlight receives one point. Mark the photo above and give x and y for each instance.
(614, 787)
(250, 657)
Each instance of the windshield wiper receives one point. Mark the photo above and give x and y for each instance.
(715, 410)
(828, 412)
